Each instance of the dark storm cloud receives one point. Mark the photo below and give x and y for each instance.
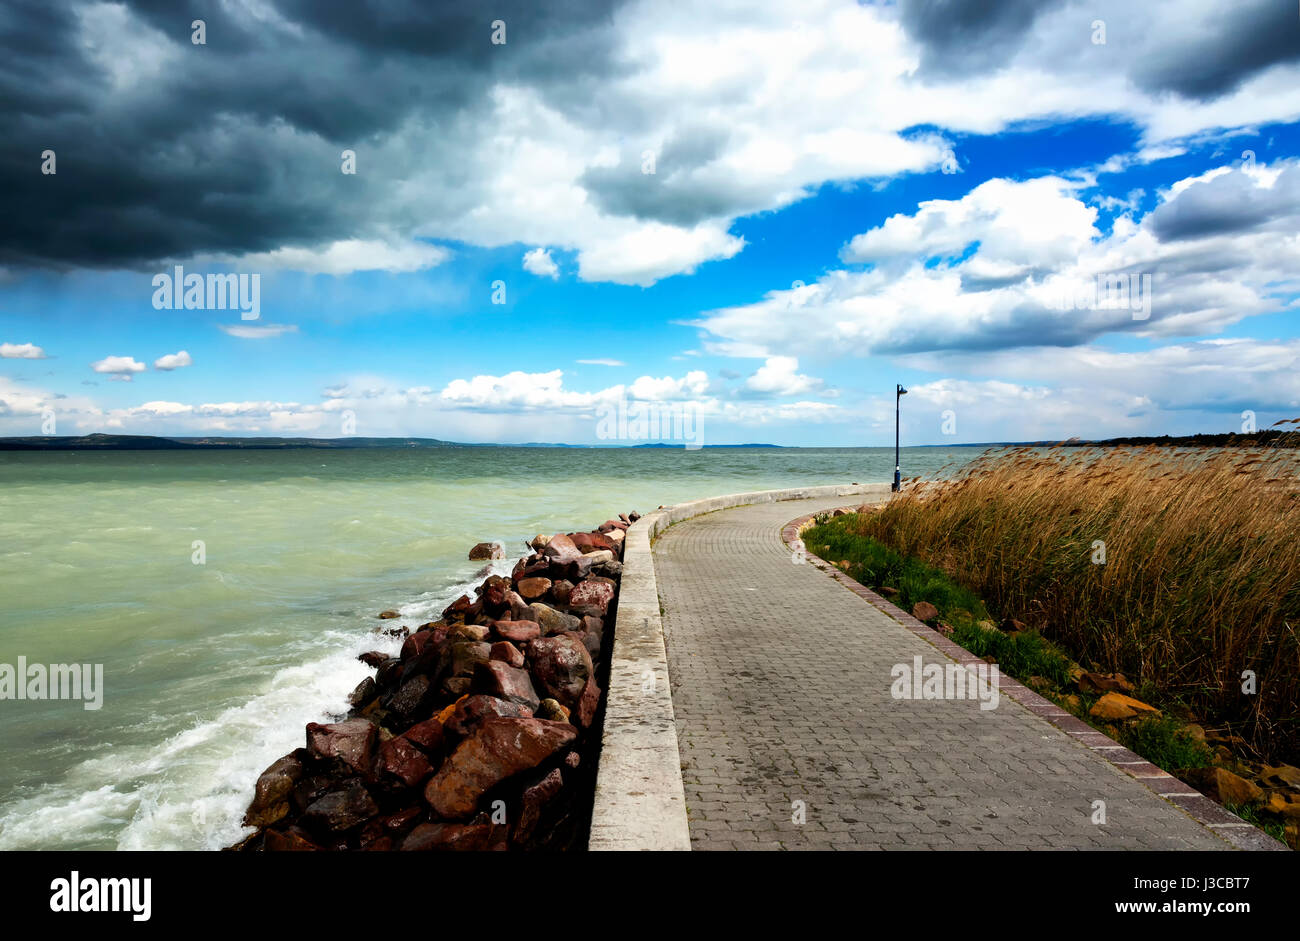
(1241, 39)
(1228, 204)
(235, 146)
(680, 191)
(961, 36)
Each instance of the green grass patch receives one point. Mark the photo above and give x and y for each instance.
(1165, 742)
(1162, 741)
(1249, 814)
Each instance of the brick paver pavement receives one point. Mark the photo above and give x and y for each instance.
(781, 689)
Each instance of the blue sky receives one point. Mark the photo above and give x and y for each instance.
(872, 194)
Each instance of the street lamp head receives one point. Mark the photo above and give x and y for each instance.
(902, 391)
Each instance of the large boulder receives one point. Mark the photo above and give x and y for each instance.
(503, 681)
(401, 761)
(561, 547)
(924, 611)
(351, 742)
(340, 811)
(591, 542)
(552, 621)
(517, 632)
(412, 698)
(1223, 786)
(1114, 707)
(487, 550)
(497, 750)
(428, 735)
(272, 792)
(562, 670)
(429, 837)
(1281, 776)
(1103, 683)
(493, 593)
(461, 659)
(533, 803)
(560, 590)
(593, 593)
(519, 610)
(292, 840)
(469, 713)
(530, 589)
(507, 652)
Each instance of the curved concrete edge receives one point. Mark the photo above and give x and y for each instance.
(640, 803)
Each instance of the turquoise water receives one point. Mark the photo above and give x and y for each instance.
(211, 670)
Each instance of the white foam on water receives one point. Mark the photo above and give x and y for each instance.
(190, 791)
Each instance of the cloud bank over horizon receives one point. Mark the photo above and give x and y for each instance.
(763, 214)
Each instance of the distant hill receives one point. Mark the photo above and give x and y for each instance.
(100, 442)
(660, 444)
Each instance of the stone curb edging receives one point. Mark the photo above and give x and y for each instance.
(640, 802)
(1202, 809)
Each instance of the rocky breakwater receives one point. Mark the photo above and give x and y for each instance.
(483, 734)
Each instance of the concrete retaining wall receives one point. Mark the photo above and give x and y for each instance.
(639, 802)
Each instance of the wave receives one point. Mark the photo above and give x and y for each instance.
(189, 792)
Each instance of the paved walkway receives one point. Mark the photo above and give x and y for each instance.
(780, 684)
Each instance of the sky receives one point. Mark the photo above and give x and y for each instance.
(514, 222)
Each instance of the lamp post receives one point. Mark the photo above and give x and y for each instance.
(899, 392)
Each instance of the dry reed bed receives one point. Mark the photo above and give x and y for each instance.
(1201, 578)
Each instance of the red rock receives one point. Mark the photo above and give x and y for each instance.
(428, 734)
(457, 609)
(340, 811)
(454, 836)
(519, 610)
(366, 690)
(293, 840)
(550, 709)
(495, 678)
(561, 547)
(588, 703)
(412, 698)
(497, 750)
(560, 590)
(493, 593)
(594, 592)
(458, 664)
(470, 712)
(401, 759)
(590, 542)
(272, 792)
(530, 589)
(372, 658)
(590, 641)
(468, 632)
(561, 668)
(351, 742)
(924, 611)
(517, 631)
(415, 644)
(507, 652)
(535, 799)
(552, 621)
(487, 550)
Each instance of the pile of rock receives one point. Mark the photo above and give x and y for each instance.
(482, 734)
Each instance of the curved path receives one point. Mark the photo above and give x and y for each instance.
(780, 683)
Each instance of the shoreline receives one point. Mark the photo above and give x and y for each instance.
(484, 732)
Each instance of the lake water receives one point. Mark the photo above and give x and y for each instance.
(211, 670)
